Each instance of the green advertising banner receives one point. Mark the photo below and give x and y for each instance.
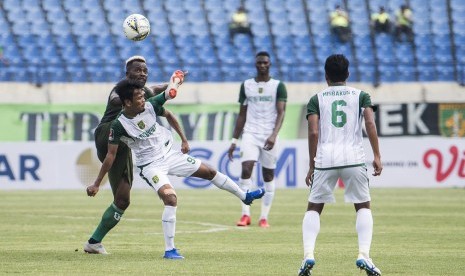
(60, 122)
(452, 120)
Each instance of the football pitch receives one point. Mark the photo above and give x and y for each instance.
(417, 232)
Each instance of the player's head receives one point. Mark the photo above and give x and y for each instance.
(336, 68)
(136, 70)
(131, 94)
(262, 63)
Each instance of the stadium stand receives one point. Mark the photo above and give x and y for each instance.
(82, 41)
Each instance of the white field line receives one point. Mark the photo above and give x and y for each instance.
(210, 227)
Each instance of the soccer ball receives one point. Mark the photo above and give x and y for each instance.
(136, 27)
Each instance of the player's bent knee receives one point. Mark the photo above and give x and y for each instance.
(122, 203)
(169, 197)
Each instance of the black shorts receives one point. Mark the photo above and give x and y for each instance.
(122, 166)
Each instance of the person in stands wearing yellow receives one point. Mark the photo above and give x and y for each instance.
(340, 24)
(381, 21)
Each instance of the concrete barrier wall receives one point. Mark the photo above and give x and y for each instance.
(444, 92)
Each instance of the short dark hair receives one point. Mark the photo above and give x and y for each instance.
(262, 53)
(125, 89)
(337, 68)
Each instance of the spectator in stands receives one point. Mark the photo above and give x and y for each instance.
(380, 21)
(404, 23)
(340, 24)
(239, 23)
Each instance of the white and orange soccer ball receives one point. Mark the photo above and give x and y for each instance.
(136, 27)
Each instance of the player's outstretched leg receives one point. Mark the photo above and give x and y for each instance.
(223, 182)
(368, 265)
(306, 267)
(251, 196)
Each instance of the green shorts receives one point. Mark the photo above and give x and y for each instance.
(122, 166)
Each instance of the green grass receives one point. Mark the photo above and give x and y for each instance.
(417, 232)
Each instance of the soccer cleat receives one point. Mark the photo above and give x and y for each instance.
(263, 223)
(368, 266)
(251, 196)
(173, 255)
(177, 78)
(306, 267)
(244, 221)
(95, 248)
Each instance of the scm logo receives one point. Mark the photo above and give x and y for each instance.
(286, 163)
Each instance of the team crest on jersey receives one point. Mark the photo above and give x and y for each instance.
(141, 124)
(155, 179)
(260, 90)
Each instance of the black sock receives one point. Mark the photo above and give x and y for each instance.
(92, 241)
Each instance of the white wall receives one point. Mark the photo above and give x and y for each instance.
(443, 92)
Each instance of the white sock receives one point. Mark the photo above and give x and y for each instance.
(267, 199)
(245, 185)
(225, 183)
(168, 222)
(364, 227)
(310, 230)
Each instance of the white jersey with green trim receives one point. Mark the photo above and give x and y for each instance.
(149, 140)
(340, 139)
(261, 106)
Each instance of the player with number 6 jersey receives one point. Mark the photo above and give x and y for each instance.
(335, 147)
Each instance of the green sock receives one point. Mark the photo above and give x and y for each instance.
(110, 218)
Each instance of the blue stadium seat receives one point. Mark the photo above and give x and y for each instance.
(55, 73)
(279, 27)
(367, 73)
(96, 73)
(387, 73)
(426, 73)
(445, 72)
(406, 73)
(76, 73)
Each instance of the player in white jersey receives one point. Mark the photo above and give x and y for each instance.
(335, 138)
(263, 105)
(152, 146)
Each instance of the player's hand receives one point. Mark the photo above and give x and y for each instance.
(378, 166)
(269, 143)
(309, 178)
(92, 190)
(185, 147)
(231, 150)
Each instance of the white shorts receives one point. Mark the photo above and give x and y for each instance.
(252, 150)
(176, 163)
(355, 181)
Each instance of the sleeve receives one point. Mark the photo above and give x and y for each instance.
(365, 101)
(281, 93)
(313, 106)
(116, 132)
(242, 96)
(157, 102)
